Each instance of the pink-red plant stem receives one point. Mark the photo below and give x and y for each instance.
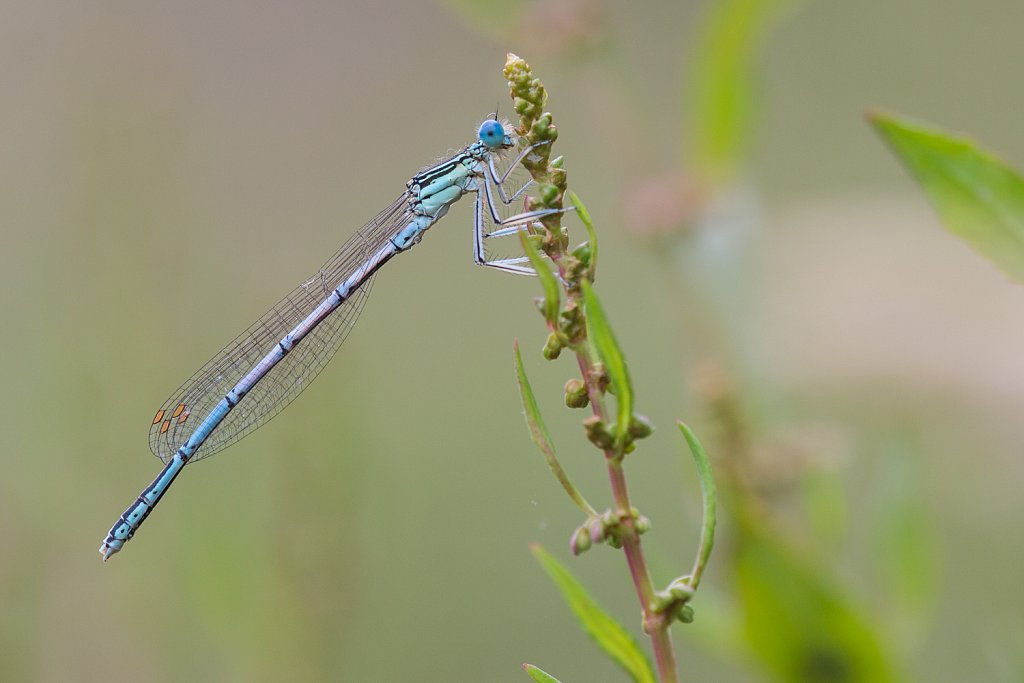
(655, 624)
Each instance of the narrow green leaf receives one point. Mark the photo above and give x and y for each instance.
(588, 223)
(709, 496)
(600, 333)
(722, 81)
(978, 197)
(539, 675)
(540, 436)
(606, 632)
(547, 280)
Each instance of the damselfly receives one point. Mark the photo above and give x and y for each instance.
(256, 375)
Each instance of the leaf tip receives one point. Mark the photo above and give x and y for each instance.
(883, 122)
(872, 115)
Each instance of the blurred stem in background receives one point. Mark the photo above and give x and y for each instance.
(581, 327)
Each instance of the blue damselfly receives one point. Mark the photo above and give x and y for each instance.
(258, 373)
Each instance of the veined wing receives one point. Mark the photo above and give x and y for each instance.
(185, 409)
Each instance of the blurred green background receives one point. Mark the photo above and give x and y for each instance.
(167, 171)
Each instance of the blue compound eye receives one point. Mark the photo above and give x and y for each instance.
(491, 133)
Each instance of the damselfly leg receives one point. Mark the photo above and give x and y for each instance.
(488, 221)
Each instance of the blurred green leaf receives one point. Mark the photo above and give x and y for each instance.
(588, 223)
(978, 197)
(540, 436)
(547, 280)
(606, 632)
(722, 82)
(824, 499)
(907, 557)
(799, 626)
(492, 18)
(539, 675)
(600, 334)
(709, 496)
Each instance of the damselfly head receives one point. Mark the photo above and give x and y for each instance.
(494, 136)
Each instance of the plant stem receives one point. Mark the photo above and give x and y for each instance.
(653, 622)
(529, 97)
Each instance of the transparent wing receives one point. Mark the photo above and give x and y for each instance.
(185, 409)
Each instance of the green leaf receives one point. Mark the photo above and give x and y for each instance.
(709, 496)
(905, 537)
(978, 197)
(606, 632)
(722, 88)
(823, 494)
(547, 280)
(541, 437)
(588, 223)
(800, 626)
(600, 334)
(539, 675)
